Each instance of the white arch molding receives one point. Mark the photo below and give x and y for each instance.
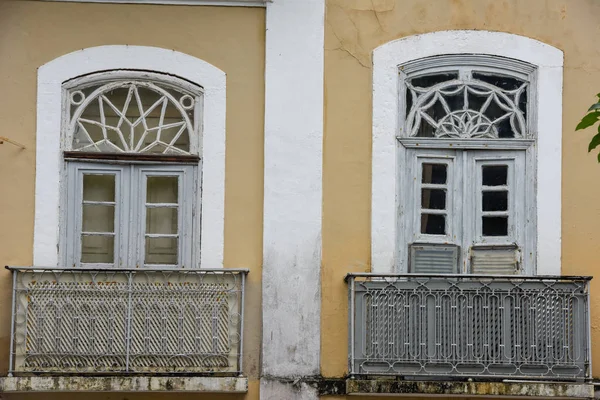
(548, 61)
(51, 77)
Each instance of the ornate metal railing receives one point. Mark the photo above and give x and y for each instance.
(461, 326)
(114, 321)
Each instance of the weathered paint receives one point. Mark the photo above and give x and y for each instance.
(124, 384)
(292, 205)
(232, 39)
(253, 387)
(353, 29)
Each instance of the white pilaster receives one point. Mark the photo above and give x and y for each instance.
(293, 196)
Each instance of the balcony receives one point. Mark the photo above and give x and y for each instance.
(468, 327)
(135, 322)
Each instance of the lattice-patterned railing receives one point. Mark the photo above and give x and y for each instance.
(469, 326)
(115, 321)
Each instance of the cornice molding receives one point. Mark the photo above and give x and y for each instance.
(230, 3)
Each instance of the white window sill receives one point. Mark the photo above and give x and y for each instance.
(123, 384)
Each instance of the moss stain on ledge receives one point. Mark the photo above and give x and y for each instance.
(508, 389)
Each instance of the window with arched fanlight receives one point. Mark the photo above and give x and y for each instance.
(132, 142)
(466, 144)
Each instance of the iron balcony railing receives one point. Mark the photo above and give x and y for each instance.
(116, 321)
(468, 326)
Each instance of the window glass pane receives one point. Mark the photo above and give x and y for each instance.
(434, 173)
(494, 175)
(433, 199)
(503, 82)
(433, 224)
(161, 220)
(98, 187)
(495, 226)
(431, 80)
(495, 201)
(98, 218)
(161, 250)
(162, 189)
(97, 249)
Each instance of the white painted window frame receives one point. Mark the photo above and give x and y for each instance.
(49, 160)
(386, 162)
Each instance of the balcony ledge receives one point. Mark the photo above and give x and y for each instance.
(512, 390)
(51, 384)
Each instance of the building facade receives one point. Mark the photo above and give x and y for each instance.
(297, 199)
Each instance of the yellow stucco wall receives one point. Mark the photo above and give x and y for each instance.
(231, 38)
(353, 29)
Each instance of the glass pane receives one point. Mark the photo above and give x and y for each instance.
(97, 249)
(433, 224)
(161, 220)
(162, 189)
(495, 226)
(434, 173)
(161, 250)
(503, 82)
(494, 175)
(431, 80)
(434, 199)
(495, 201)
(98, 218)
(98, 187)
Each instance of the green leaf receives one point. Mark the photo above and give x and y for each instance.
(588, 120)
(595, 107)
(599, 157)
(594, 142)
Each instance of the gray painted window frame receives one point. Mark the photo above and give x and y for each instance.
(129, 252)
(409, 148)
(130, 213)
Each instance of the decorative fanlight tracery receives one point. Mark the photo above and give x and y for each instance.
(133, 116)
(477, 106)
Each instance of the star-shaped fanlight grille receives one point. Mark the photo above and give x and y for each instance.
(132, 117)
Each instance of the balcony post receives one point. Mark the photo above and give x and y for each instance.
(241, 348)
(12, 324)
(351, 327)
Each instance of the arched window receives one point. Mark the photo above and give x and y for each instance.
(466, 168)
(132, 143)
(130, 160)
(467, 144)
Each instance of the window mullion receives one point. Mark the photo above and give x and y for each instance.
(466, 206)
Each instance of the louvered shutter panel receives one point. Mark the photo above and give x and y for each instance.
(433, 259)
(495, 261)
